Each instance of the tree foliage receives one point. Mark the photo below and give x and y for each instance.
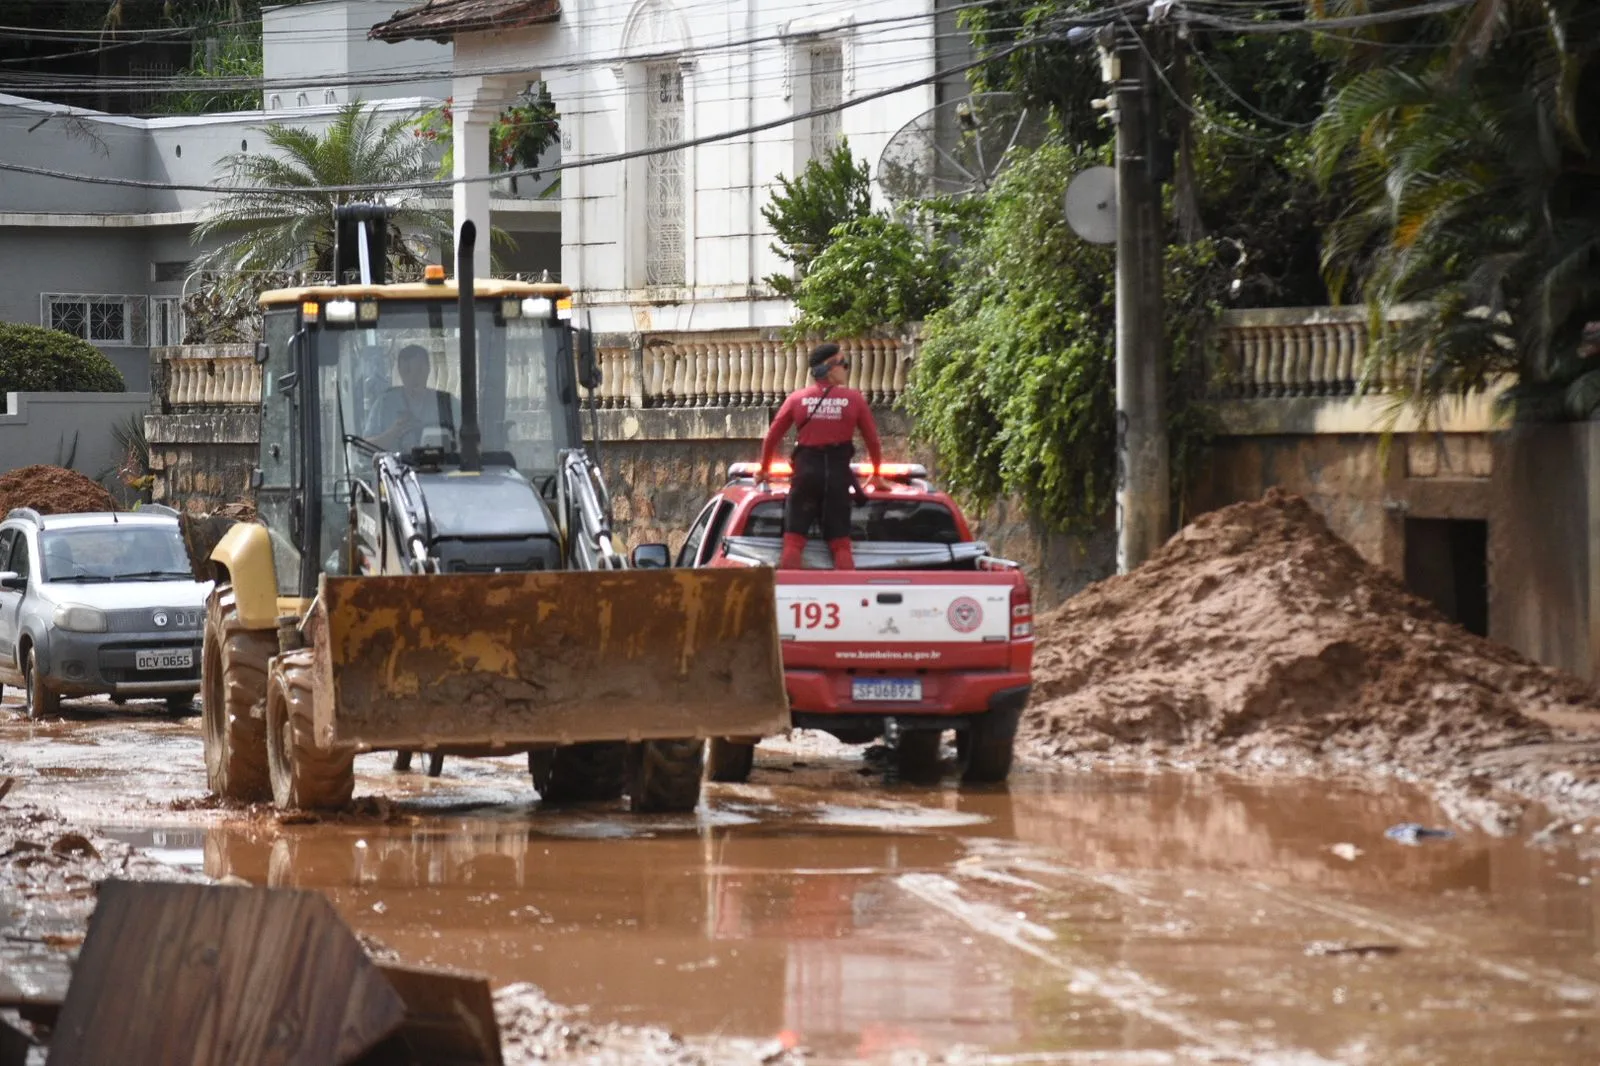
(804, 212)
(1470, 154)
(294, 230)
(876, 275)
(1014, 388)
(35, 359)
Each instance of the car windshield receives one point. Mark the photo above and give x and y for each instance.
(882, 520)
(122, 552)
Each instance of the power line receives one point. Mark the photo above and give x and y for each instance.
(593, 161)
(1231, 91)
(1320, 25)
(64, 84)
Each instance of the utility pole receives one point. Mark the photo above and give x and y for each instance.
(1143, 474)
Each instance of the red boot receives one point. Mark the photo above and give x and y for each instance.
(843, 558)
(794, 548)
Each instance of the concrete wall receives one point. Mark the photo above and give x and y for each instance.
(323, 38)
(40, 427)
(1544, 533)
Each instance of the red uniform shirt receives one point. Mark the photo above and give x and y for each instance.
(824, 420)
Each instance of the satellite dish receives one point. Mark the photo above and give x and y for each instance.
(958, 148)
(1091, 205)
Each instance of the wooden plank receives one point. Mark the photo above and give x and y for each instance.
(449, 1021)
(199, 974)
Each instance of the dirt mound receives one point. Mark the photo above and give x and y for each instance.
(1256, 627)
(53, 490)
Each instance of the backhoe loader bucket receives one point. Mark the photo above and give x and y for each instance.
(554, 657)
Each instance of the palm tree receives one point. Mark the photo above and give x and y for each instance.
(1475, 192)
(288, 224)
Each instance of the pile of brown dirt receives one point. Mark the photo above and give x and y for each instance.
(53, 490)
(1257, 631)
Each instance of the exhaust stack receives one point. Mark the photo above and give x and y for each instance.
(471, 436)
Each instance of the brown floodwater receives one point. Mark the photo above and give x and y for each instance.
(1067, 918)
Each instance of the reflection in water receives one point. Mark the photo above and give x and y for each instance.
(779, 909)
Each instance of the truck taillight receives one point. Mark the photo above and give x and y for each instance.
(1021, 613)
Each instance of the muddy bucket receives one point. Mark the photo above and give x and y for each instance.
(558, 657)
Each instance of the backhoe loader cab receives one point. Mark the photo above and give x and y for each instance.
(432, 567)
(363, 386)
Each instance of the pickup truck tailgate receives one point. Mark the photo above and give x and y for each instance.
(872, 621)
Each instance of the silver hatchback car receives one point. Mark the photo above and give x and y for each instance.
(99, 604)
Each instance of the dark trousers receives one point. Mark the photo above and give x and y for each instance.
(820, 488)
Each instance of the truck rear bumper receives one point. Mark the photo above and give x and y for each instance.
(1008, 696)
(829, 692)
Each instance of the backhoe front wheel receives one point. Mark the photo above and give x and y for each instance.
(304, 776)
(729, 761)
(233, 682)
(664, 775)
(592, 772)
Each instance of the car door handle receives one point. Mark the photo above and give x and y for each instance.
(890, 597)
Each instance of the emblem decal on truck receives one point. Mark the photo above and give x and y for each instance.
(965, 615)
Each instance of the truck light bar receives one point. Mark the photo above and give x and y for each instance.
(782, 470)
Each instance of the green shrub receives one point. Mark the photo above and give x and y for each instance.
(35, 359)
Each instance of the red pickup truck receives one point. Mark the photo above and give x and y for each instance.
(928, 633)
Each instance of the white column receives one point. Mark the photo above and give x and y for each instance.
(475, 108)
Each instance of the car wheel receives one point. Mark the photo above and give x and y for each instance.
(41, 701)
(183, 703)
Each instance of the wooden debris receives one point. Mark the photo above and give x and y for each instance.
(213, 974)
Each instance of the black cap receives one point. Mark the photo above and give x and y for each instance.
(822, 353)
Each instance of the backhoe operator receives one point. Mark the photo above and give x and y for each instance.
(827, 415)
(396, 421)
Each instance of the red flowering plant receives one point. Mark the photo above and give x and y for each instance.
(517, 138)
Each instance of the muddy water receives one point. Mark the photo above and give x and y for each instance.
(1152, 918)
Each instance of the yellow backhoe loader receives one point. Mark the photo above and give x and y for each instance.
(438, 574)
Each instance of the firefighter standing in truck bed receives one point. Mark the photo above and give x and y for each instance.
(827, 413)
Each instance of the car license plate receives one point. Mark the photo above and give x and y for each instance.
(886, 688)
(164, 659)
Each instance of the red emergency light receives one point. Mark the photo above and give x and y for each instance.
(783, 470)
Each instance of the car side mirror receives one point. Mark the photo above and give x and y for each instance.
(651, 557)
(10, 579)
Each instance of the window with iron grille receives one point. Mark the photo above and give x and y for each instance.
(826, 89)
(665, 172)
(166, 321)
(112, 321)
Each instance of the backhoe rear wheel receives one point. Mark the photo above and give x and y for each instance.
(304, 776)
(592, 772)
(664, 775)
(233, 681)
(729, 761)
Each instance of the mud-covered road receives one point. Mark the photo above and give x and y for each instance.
(1069, 918)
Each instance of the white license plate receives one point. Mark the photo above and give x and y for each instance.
(164, 659)
(886, 688)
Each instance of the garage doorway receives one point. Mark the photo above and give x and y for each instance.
(1447, 562)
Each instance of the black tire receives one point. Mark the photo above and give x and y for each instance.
(539, 768)
(183, 703)
(304, 776)
(986, 748)
(42, 702)
(917, 757)
(729, 761)
(664, 776)
(233, 683)
(595, 772)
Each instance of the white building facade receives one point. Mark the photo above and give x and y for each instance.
(675, 241)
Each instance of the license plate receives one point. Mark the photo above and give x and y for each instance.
(164, 659)
(886, 688)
